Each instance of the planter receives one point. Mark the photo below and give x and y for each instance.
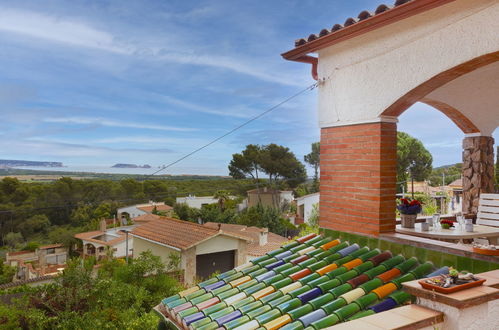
(408, 220)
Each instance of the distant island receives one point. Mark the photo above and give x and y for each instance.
(131, 166)
(5, 163)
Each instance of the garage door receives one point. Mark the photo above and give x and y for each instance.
(207, 264)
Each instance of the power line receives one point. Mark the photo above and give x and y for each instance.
(310, 87)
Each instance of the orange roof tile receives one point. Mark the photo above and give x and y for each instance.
(178, 233)
(274, 241)
(159, 207)
(90, 236)
(50, 246)
(146, 217)
(364, 22)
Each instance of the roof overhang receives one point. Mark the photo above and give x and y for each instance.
(400, 12)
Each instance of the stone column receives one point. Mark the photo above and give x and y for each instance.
(478, 170)
(358, 178)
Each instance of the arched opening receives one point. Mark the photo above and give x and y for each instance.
(467, 95)
(89, 250)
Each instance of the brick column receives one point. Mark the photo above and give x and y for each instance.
(478, 170)
(358, 178)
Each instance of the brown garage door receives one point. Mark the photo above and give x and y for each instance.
(207, 264)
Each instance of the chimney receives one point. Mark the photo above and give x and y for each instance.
(263, 237)
(102, 225)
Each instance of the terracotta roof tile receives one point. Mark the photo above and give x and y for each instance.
(51, 246)
(363, 15)
(90, 236)
(274, 241)
(178, 233)
(146, 217)
(159, 207)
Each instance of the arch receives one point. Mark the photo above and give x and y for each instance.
(419, 93)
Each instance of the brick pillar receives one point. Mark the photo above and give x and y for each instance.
(358, 178)
(478, 170)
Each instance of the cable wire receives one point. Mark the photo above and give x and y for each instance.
(310, 87)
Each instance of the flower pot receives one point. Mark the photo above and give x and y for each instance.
(408, 220)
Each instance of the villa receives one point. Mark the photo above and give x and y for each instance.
(363, 270)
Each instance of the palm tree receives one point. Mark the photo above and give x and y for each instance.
(222, 196)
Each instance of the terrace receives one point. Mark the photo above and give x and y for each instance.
(444, 53)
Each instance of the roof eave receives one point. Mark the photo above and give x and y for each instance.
(375, 22)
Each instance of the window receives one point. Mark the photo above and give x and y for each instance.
(51, 251)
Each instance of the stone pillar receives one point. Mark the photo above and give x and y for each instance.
(358, 178)
(478, 170)
(189, 256)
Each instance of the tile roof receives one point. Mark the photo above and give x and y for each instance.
(347, 281)
(364, 22)
(50, 246)
(90, 236)
(274, 241)
(159, 207)
(146, 217)
(178, 233)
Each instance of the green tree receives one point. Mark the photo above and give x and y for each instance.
(36, 224)
(247, 163)
(313, 219)
(12, 239)
(279, 163)
(6, 273)
(264, 217)
(313, 158)
(222, 196)
(412, 158)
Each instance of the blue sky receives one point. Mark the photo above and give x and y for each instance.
(98, 83)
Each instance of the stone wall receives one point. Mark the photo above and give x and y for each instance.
(478, 170)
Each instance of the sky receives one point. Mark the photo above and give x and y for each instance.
(94, 83)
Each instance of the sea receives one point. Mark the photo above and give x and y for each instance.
(137, 171)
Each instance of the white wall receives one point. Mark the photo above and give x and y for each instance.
(133, 211)
(308, 202)
(197, 202)
(219, 243)
(368, 73)
(286, 197)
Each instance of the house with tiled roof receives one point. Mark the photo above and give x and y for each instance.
(133, 211)
(202, 250)
(102, 242)
(260, 240)
(45, 260)
(269, 197)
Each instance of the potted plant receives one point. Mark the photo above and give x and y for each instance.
(446, 224)
(409, 210)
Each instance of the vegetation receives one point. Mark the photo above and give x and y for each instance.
(6, 273)
(53, 212)
(117, 296)
(278, 162)
(413, 159)
(448, 173)
(313, 159)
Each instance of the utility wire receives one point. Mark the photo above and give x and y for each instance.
(311, 87)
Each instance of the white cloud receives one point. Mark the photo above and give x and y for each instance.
(79, 34)
(56, 29)
(115, 123)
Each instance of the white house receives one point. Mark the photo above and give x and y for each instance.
(198, 201)
(134, 211)
(304, 207)
(97, 243)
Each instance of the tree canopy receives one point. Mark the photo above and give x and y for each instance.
(278, 162)
(412, 158)
(313, 158)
